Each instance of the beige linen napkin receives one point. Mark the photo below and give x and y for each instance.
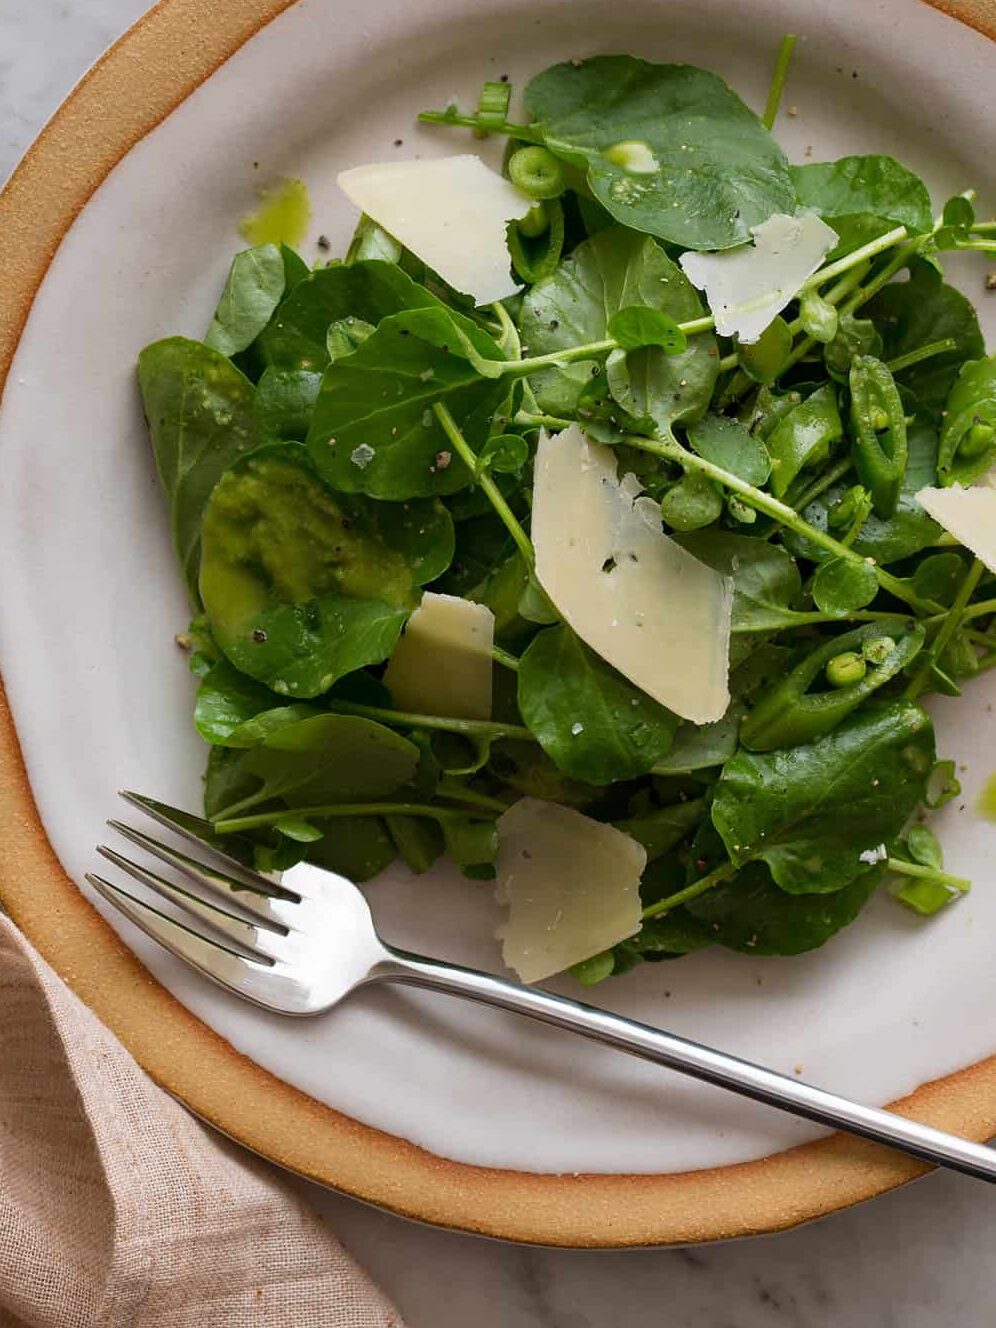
(119, 1210)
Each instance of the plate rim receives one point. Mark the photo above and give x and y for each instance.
(149, 71)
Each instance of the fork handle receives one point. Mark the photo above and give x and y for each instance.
(694, 1059)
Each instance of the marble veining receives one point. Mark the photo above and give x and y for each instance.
(918, 1258)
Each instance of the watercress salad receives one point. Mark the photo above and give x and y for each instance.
(356, 443)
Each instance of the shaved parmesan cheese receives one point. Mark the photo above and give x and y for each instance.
(450, 211)
(442, 664)
(572, 886)
(640, 600)
(749, 286)
(968, 514)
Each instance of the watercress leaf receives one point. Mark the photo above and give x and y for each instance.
(594, 724)
(787, 807)
(803, 437)
(371, 241)
(925, 847)
(418, 839)
(877, 186)
(302, 832)
(674, 933)
(701, 746)
(295, 268)
(751, 913)
(345, 334)
(968, 434)
(765, 578)
(296, 336)
(357, 847)
(841, 586)
(421, 532)
(664, 827)
(284, 403)
(765, 359)
(613, 270)
(374, 430)
(729, 444)
(692, 503)
(324, 759)
(638, 325)
(912, 313)
(470, 841)
(199, 410)
(958, 213)
(298, 592)
(505, 453)
(939, 576)
(906, 532)
(943, 785)
(227, 701)
(854, 336)
(253, 290)
(708, 170)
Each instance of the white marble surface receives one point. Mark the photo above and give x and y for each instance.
(918, 1258)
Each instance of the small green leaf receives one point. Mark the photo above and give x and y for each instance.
(803, 437)
(729, 444)
(285, 402)
(302, 832)
(841, 586)
(345, 334)
(765, 359)
(694, 502)
(638, 325)
(924, 895)
(925, 847)
(505, 453)
(252, 292)
(589, 972)
(943, 785)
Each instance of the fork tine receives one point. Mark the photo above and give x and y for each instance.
(211, 957)
(236, 929)
(199, 831)
(264, 906)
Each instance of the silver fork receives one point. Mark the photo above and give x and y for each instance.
(301, 945)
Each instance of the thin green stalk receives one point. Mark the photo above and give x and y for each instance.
(451, 116)
(870, 250)
(983, 246)
(946, 630)
(495, 496)
(806, 618)
(527, 419)
(921, 353)
(503, 658)
(823, 482)
(898, 260)
(987, 662)
(460, 793)
(715, 877)
(903, 868)
(782, 63)
(980, 610)
(403, 719)
(590, 351)
(984, 227)
(230, 825)
(671, 450)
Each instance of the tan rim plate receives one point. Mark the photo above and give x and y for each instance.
(149, 72)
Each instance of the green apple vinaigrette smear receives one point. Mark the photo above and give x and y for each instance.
(601, 525)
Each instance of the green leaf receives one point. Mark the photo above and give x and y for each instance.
(694, 502)
(943, 785)
(357, 847)
(875, 186)
(285, 402)
(968, 434)
(296, 337)
(787, 807)
(236, 711)
(854, 336)
(252, 292)
(664, 827)
(712, 172)
(418, 839)
(470, 841)
(345, 334)
(611, 271)
(420, 532)
(504, 453)
(324, 759)
(589, 719)
(889, 540)
(765, 578)
(925, 847)
(939, 576)
(765, 359)
(638, 325)
(299, 591)
(803, 437)
(302, 832)
(925, 895)
(910, 314)
(750, 913)
(374, 430)
(729, 444)
(841, 586)
(200, 414)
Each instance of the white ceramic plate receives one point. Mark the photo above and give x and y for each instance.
(91, 600)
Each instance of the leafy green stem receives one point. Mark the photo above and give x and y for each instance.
(782, 63)
(952, 621)
(672, 450)
(460, 793)
(403, 719)
(823, 482)
(870, 250)
(451, 116)
(921, 353)
(495, 496)
(230, 825)
(503, 658)
(903, 868)
(699, 887)
(589, 351)
(530, 420)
